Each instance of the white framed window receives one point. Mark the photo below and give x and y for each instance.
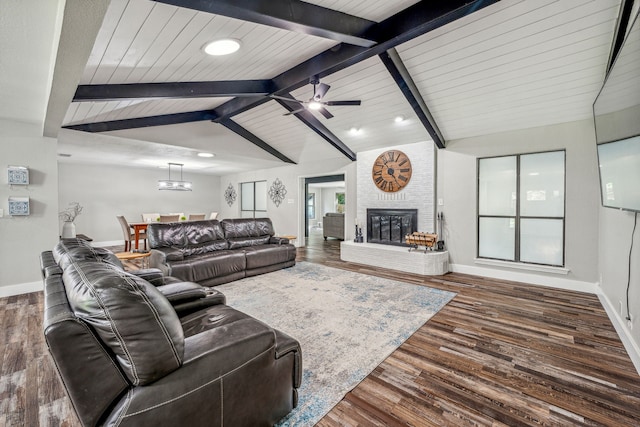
(521, 208)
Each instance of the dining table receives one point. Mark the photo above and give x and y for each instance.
(138, 227)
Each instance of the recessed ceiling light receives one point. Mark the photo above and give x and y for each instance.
(399, 119)
(222, 47)
(206, 154)
(355, 131)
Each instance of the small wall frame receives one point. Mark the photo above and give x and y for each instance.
(19, 206)
(18, 175)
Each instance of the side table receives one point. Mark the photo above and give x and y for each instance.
(131, 256)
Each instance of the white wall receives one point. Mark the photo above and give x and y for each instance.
(23, 238)
(457, 187)
(417, 194)
(613, 253)
(288, 218)
(108, 191)
(329, 198)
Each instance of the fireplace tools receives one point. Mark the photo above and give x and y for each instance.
(358, 237)
(440, 243)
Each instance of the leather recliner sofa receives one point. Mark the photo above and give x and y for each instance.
(212, 252)
(133, 353)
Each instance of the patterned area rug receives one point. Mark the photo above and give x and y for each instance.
(347, 324)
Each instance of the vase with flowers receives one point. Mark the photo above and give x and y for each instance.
(68, 217)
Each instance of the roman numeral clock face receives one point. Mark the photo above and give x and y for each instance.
(391, 171)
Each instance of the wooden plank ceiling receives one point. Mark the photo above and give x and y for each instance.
(497, 66)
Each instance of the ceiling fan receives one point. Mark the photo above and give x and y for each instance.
(316, 102)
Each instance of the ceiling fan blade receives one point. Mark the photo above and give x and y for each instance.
(295, 111)
(325, 112)
(320, 91)
(358, 102)
(284, 98)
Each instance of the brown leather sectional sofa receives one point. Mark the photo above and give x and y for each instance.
(212, 252)
(145, 349)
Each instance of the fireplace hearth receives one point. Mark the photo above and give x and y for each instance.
(389, 226)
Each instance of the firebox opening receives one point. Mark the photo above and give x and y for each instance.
(389, 226)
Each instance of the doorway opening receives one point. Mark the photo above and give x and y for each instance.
(323, 195)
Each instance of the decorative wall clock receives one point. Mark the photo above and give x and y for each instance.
(391, 171)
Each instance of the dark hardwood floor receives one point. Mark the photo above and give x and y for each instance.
(500, 353)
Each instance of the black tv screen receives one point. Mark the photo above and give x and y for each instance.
(619, 163)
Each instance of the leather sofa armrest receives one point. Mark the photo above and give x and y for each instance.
(182, 291)
(151, 275)
(285, 344)
(161, 258)
(210, 356)
(188, 297)
(274, 240)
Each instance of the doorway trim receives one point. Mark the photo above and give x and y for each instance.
(317, 180)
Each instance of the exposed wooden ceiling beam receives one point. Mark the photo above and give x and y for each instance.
(403, 79)
(236, 128)
(141, 122)
(621, 30)
(407, 24)
(314, 124)
(291, 15)
(224, 88)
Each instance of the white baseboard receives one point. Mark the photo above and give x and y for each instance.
(632, 347)
(22, 288)
(536, 279)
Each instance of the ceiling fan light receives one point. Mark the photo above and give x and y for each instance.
(222, 47)
(313, 105)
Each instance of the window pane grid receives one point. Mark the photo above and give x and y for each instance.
(530, 227)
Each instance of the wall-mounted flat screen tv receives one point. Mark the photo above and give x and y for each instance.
(619, 164)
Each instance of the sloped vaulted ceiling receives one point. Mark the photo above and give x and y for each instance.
(470, 68)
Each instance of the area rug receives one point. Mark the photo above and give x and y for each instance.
(347, 323)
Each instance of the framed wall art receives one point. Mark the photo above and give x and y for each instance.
(18, 175)
(19, 206)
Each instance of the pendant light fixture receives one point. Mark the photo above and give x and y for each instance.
(172, 184)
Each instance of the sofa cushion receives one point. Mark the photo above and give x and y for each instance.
(205, 247)
(242, 242)
(263, 255)
(247, 227)
(198, 232)
(199, 268)
(183, 234)
(130, 316)
(65, 254)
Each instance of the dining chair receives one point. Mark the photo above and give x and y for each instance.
(214, 215)
(129, 236)
(196, 217)
(150, 217)
(169, 218)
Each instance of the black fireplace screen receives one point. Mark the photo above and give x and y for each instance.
(389, 226)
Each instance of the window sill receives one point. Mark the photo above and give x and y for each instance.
(522, 266)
